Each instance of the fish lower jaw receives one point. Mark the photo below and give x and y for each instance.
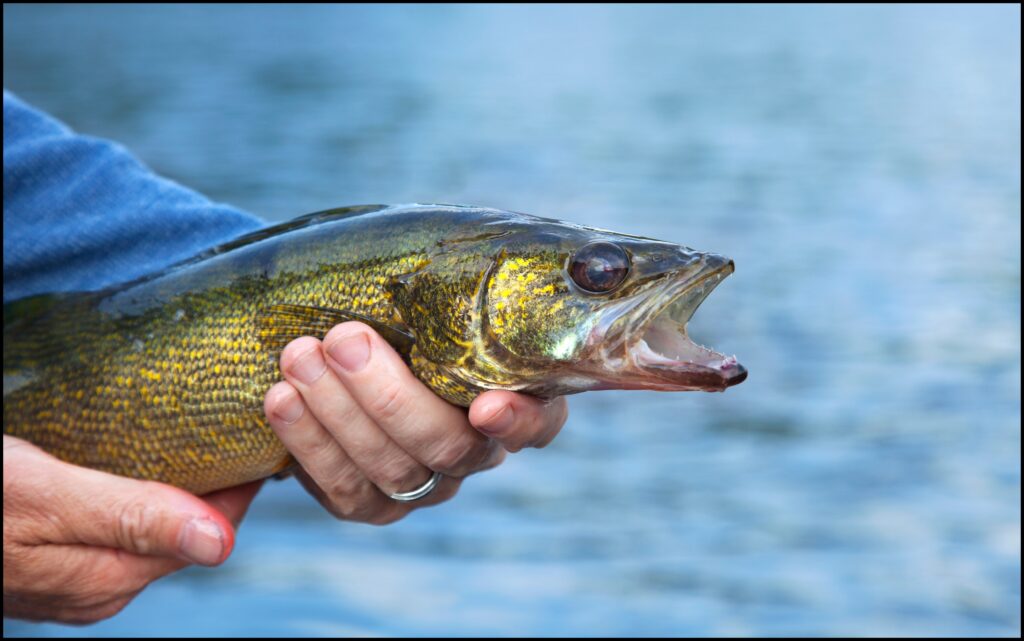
(664, 357)
(690, 355)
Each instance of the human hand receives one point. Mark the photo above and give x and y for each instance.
(362, 426)
(79, 544)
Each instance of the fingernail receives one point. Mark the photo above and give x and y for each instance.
(309, 367)
(202, 541)
(290, 409)
(498, 423)
(351, 353)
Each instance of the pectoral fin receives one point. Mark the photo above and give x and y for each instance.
(278, 325)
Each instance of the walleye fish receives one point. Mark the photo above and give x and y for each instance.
(163, 378)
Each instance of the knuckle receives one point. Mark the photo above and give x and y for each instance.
(316, 447)
(110, 609)
(350, 502)
(389, 402)
(339, 492)
(343, 508)
(386, 517)
(458, 456)
(398, 475)
(277, 397)
(360, 514)
(135, 522)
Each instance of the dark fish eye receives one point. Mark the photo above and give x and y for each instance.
(599, 267)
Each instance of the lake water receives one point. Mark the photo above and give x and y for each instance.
(860, 164)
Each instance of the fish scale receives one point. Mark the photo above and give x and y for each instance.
(175, 393)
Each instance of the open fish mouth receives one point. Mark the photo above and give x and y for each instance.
(654, 348)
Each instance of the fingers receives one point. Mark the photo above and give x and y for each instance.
(517, 420)
(141, 517)
(75, 575)
(92, 576)
(311, 445)
(431, 430)
(373, 507)
(138, 570)
(381, 460)
(327, 471)
(362, 426)
(80, 544)
(126, 573)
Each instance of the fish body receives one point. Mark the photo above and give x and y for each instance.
(163, 378)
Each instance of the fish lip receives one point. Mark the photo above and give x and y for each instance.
(628, 362)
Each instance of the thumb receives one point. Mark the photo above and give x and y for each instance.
(143, 517)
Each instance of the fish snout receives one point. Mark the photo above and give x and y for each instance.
(715, 262)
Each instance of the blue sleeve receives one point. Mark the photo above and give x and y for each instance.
(82, 213)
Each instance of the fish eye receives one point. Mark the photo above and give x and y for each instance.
(599, 267)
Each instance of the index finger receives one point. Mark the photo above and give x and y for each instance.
(430, 429)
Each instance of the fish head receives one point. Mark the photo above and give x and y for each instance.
(565, 308)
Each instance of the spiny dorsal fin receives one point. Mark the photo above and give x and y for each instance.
(291, 225)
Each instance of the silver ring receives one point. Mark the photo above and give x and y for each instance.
(419, 492)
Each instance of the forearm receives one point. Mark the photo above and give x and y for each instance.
(82, 213)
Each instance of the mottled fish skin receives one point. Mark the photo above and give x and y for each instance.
(163, 378)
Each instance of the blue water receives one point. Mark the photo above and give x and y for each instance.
(860, 164)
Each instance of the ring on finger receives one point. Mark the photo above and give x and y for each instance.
(421, 491)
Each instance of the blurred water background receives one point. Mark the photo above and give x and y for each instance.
(861, 164)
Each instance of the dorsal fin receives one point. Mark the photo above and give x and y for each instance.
(287, 226)
(249, 239)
